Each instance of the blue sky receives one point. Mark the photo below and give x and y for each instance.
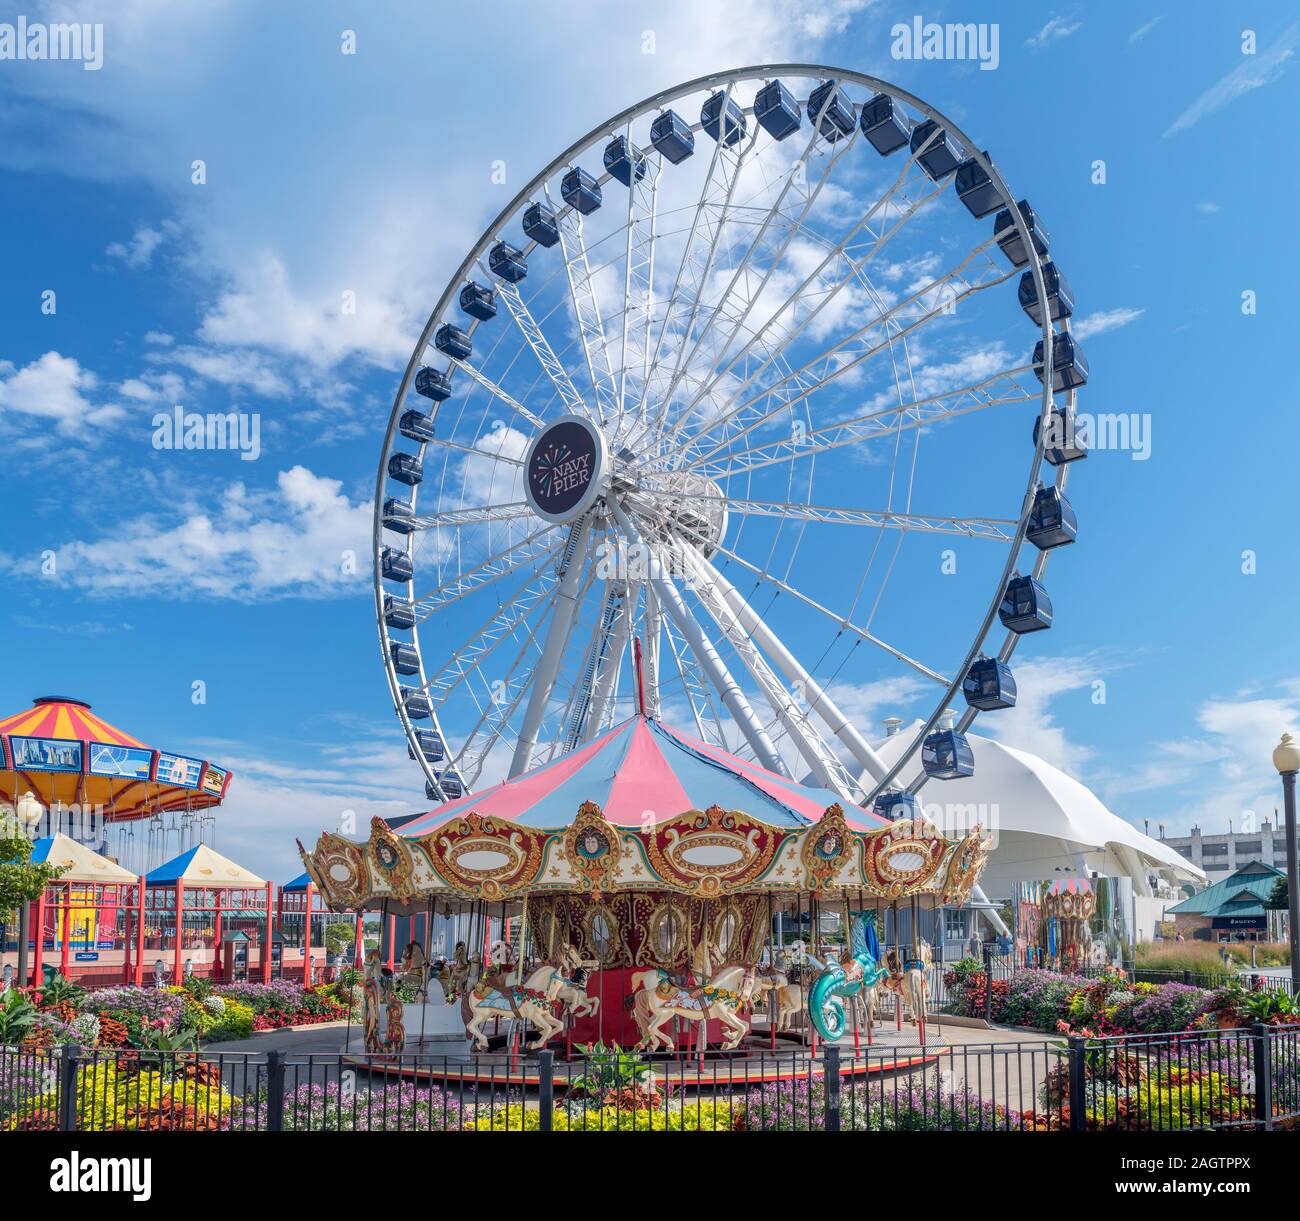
(372, 173)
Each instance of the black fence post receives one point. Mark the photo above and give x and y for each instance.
(68, 1082)
(1078, 1087)
(545, 1090)
(1187, 976)
(1263, 1077)
(831, 1054)
(988, 981)
(275, 1091)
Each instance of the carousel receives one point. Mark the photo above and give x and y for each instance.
(649, 890)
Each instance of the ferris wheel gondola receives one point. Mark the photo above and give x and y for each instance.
(678, 393)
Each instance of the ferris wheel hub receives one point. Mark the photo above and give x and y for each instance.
(566, 469)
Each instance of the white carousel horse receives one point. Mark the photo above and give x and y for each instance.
(907, 979)
(658, 999)
(787, 998)
(573, 996)
(530, 1001)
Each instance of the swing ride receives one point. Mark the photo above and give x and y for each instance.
(65, 769)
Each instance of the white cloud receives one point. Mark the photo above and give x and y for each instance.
(139, 251)
(1254, 72)
(1056, 29)
(1143, 30)
(304, 538)
(54, 388)
(1104, 320)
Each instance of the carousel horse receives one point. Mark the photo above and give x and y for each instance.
(907, 980)
(457, 972)
(415, 969)
(494, 997)
(787, 998)
(657, 999)
(857, 972)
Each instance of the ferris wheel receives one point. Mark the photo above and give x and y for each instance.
(732, 416)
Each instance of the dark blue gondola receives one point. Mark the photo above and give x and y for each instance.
(729, 128)
(395, 565)
(976, 190)
(452, 341)
(989, 685)
(405, 468)
(452, 785)
(885, 125)
(1064, 442)
(398, 612)
(946, 755)
(399, 515)
(430, 744)
(416, 426)
(622, 159)
(508, 262)
(1025, 606)
(1069, 368)
(831, 110)
(540, 226)
(1060, 296)
(1009, 240)
(672, 137)
(433, 384)
(894, 805)
(943, 154)
(478, 302)
(1051, 521)
(405, 659)
(580, 191)
(777, 112)
(416, 704)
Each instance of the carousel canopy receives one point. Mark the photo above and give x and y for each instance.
(82, 864)
(643, 772)
(63, 754)
(1041, 819)
(201, 866)
(643, 808)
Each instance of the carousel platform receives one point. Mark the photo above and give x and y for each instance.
(447, 1060)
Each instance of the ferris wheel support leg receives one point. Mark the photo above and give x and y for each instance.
(651, 650)
(788, 664)
(706, 654)
(566, 605)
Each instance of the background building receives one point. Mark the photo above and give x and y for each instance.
(1222, 855)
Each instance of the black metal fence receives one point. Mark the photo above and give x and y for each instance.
(1246, 1078)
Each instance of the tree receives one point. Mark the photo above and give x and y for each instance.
(1278, 898)
(339, 937)
(20, 881)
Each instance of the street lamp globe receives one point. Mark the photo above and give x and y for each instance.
(1286, 755)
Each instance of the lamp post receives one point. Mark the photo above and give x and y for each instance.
(1286, 758)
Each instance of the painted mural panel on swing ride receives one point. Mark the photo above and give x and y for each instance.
(753, 396)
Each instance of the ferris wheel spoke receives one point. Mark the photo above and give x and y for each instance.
(496, 392)
(842, 622)
(740, 278)
(535, 595)
(848, 353)
(852, 266)
(699, 695)
(638, 279)
(476, 516)
(994, 528)
(608, 666)
(533, 551)
(541, 348)
(876, 425)
(700, 250)
(586, 312)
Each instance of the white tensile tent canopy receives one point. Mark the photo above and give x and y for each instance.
(1045, 824)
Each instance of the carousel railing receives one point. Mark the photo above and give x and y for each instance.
(1242, 1078)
